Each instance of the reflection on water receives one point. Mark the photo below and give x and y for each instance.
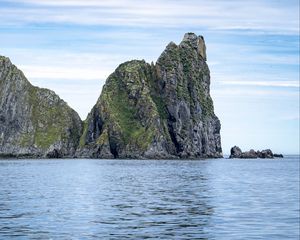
(137, 199)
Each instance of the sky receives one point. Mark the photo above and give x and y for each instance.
(71, 46)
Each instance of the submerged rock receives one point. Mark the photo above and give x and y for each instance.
(34, 121)
(156, 111)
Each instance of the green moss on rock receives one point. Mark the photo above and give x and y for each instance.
(40, 120)
(121, 96)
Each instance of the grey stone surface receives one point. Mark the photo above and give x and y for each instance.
(235, 152)
(34, 122)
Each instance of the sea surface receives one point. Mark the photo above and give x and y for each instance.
(150, 199)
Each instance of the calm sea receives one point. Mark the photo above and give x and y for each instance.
(154, 199)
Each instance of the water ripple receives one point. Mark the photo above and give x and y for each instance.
(148, 199)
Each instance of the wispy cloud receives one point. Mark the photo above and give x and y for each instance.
(71, 73)
(239, 93)
(51, 65)
(217, 15)
(291, 117)
(294, 84)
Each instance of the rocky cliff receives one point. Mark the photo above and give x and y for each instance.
(156, 111)
(34, 122)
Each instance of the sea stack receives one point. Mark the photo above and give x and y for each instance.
(161, 110)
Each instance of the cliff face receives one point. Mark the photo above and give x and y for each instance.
(156, 111)
(125, 121)
(34, 122)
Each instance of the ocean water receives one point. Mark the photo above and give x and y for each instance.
(150, 199)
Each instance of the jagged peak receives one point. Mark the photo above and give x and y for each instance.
(196, 42)
(132, 62)
(131, 66)
(189, 36)
(6, 67)
(171, 45)
(5, 59)
(190, 41)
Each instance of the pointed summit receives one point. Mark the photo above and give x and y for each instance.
(197, 42)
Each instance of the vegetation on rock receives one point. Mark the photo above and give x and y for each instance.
(156, 111)
(34, 121)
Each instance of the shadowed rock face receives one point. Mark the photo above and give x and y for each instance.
(156, 111)
(34, 122)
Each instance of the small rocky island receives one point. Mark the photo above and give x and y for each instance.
(161, 110)
(236, 152)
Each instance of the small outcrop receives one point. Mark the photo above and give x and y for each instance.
(278, 155)
(236, 152)
(34, 122)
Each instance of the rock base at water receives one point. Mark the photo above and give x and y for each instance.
(236, 152)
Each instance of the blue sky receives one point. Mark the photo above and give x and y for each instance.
(71, 46)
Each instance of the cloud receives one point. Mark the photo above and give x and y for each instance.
(46, 72)
(244, 92)
(293, 84)
(215, 15)
(291, 117)
(59, 64)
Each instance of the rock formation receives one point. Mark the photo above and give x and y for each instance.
(236, 152)
(144, 111)
(156, 111)
(34, 122)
